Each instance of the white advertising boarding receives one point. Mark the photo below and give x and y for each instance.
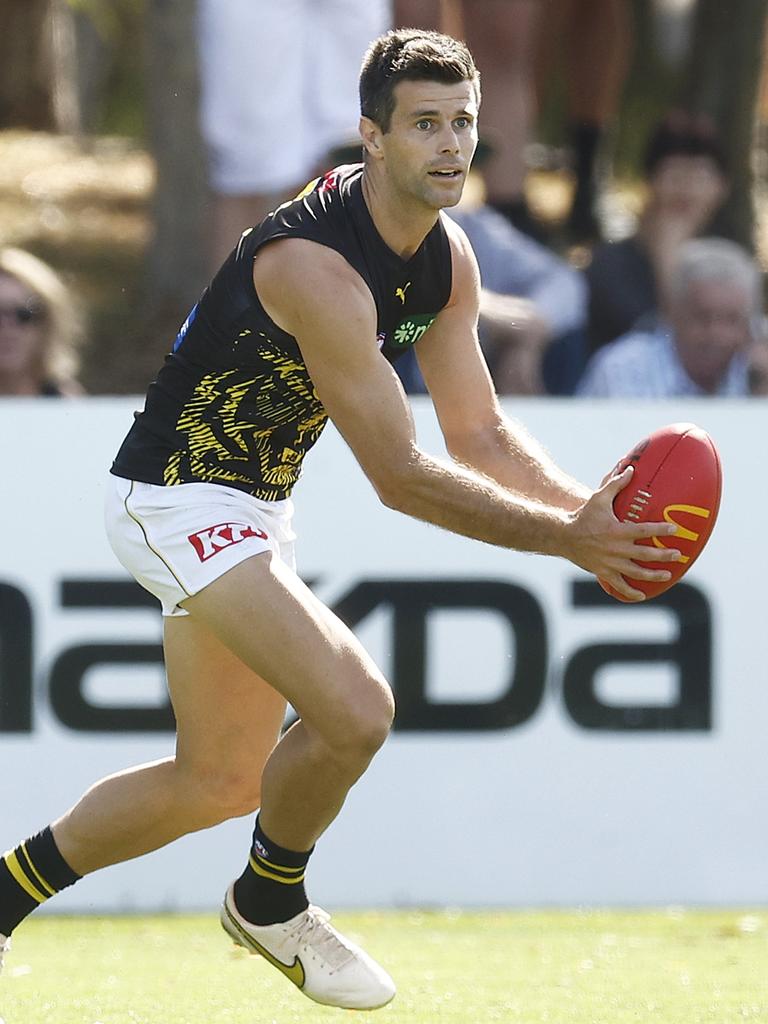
(553, 746)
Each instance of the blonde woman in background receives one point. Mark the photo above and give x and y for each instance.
(39, 328)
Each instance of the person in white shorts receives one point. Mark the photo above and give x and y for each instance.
(277, 94)
(176, 541)
(302, 323)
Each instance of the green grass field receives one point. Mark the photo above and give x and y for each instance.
(673, 967)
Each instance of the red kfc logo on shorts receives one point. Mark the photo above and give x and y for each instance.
(213, 539)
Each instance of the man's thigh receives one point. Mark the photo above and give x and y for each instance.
(272, 622)
(227, 717)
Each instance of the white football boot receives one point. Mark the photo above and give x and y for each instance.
(314, 956)
(5, 945)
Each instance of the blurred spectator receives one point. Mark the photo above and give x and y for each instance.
(593, 43)
(279, 87)
(39, 328)
(516, 43)
(712, 343)
(532, 305)
(502, 35)
(687, 180)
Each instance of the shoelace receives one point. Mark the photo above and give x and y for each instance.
(314, 931)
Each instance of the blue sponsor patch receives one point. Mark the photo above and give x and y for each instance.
(185, 327)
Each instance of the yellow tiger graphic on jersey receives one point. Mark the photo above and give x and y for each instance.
(236, 421)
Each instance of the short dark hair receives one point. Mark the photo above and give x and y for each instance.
(410, 54)
(684, 134)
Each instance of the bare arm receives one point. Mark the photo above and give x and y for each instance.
(299, 284)
(477, 432)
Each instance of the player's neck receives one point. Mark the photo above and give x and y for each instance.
(402, 226)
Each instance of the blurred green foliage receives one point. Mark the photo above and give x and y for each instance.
(116, 35)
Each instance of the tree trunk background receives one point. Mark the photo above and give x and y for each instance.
(722, 80)
(26, 65)
(176, 258)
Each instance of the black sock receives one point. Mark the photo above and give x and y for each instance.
(586, 139)
(271, 889)
(29, 875)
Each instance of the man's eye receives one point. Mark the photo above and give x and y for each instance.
(463, 122)
(423, 125)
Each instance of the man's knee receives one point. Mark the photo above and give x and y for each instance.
(366, 725)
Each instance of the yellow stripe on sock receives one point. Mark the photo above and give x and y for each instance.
(12, 862)
(282, 867)
(48, 889)
(269, 874)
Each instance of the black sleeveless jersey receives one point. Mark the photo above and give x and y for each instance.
(234, 403)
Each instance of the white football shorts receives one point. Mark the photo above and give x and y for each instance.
(176, 540)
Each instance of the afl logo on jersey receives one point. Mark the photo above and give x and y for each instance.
(400, 292)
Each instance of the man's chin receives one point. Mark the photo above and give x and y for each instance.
(446, 199)
(453, 201)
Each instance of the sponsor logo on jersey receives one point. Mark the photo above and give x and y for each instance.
(409, 331)
(185, 327)
(213, 539)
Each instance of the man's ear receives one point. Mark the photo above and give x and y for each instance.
(371, 134)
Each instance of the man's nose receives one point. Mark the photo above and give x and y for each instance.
(449, 140)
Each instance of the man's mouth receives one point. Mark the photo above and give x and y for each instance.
(448, 175)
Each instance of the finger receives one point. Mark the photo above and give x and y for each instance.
(614, 484)
(645, 553)
(639, 572)
(625, 588)
(641, 531)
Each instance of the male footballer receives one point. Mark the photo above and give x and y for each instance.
(302, 323)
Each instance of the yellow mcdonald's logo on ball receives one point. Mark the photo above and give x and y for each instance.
(682, 531)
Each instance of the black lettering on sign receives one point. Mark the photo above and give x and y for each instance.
(68, 672)
(690, 652)
(15, 660)
(413, 602)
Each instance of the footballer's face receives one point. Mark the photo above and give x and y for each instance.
(431, 140)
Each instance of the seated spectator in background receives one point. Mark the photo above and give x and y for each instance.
(532, 307)
(532, 304)
(713, 342)
(39, 328)
(687, 181)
